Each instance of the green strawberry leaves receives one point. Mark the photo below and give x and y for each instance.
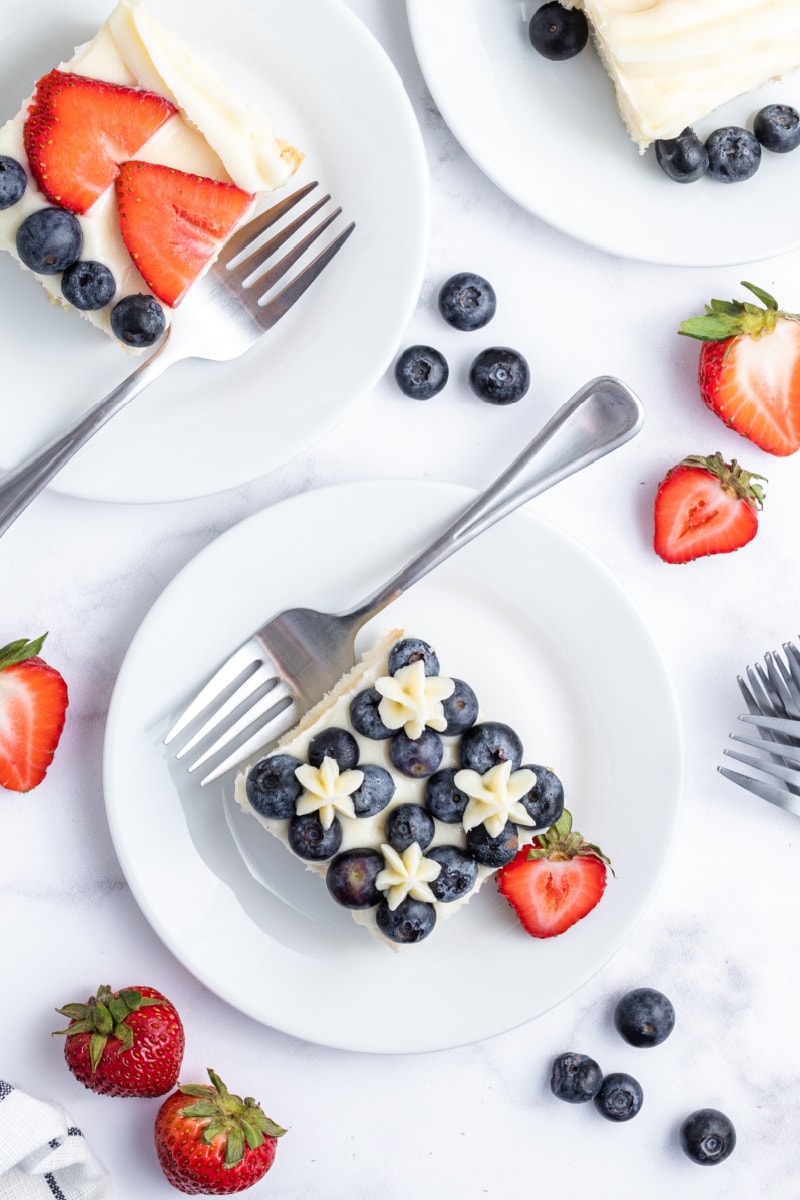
(726, 319)
(242, 1121)
(103, 1016)
(560, 843)
(17, 652)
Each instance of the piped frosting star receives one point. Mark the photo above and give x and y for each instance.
(327, 790)
(494, 796)
(412, 699)
(407, 874)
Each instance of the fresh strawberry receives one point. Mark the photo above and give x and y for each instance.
(78, 130)
(555, 882)
(174, 224)
(212, 1143)
(33, 704)
(750, 368)
(125, 1043)
(705, 506)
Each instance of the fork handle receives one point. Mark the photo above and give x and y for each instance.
(21, 485)
(601, 416)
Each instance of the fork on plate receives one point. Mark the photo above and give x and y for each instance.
(292, 661)
(224, 314)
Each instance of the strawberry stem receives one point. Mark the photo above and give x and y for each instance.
(726, 319)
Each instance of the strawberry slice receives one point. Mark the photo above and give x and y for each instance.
(174, 224)
(705, 506)
(749, 371)
(78, 130)
(556, 882)
(33, 702)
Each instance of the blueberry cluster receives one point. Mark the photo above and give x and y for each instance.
(50, 242)
(730, 154)
(643, 1017)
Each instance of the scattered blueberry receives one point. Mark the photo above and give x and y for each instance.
(683, 158)
(416, 757)
(444, 799)
(558, 33)
(467, 301)
(499, 375)
(272, 788)
(644, 1017)
(334, 743)
(460, 708)
(458, 875)
(493, 851)
(351, 877)
(309, 840)
(620, 1097)
(421, 372)
(13, 181)
(409, 650)
(364, 715)
(707, 1136)
(408, 823)
(544, 803)
(375, 792)
(411, 921)
(575, 1078)
(49, 240)
(88, 285)
(777, 128)
(138, 320)
(734, 154)
(487, 744)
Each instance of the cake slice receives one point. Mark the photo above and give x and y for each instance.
(399, 792)
(134, 96)
(674, 61)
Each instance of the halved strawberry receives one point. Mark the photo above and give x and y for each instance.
(705, 506)
(749, 370)
(33, 703)
(78, 130)
(174, 224)
(554, 883)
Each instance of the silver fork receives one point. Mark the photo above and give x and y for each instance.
(223, 315)
(288, 664)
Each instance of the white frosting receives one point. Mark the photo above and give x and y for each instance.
(327, 790)
(494, 797)
(407, 874)
(412, 699)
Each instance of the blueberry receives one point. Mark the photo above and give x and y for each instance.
(620, 1097)
(734, 154)
(375, 792)
(311, 841)
(335, 743)
(272, 787)
(644, 1017)
(409, 650)
(411, 921)
(707, 1136)
(409, 823)
(443, 798)
(421, 372)
(364, 715)
(487, 744)
(777, 128)
(88, 285)
(493, 851)
(13, 181)
(458, 875)
(544, 803)
(460, 708)
(575, 1078)
(683, 158)
(49, 240)
(558, 33)
(499, 375)
(138, 320)
(351, 877)
(467, 301)
(416, 757)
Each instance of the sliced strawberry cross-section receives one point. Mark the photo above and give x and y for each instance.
(77, 131)
(174, 224)
(33, 702)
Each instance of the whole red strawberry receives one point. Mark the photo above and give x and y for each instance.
(125, 1043)
(212, 1143)
(705, 506)
(749, 370)
(33, 704)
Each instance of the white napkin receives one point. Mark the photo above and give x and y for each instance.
(43, 1156)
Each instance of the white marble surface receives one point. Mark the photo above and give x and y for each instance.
(721, 937)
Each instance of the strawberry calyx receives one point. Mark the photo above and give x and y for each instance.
(561, 843)
(726, 319)
(732, 477)
(103, 1016)
(19, 651)
(243, 1122)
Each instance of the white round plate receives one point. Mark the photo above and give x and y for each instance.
(549, 135)
(205, 427)
(551, 645)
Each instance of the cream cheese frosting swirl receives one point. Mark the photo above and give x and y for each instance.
(412, 700)
(327, 790)
(494, 797)
(407, 874)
